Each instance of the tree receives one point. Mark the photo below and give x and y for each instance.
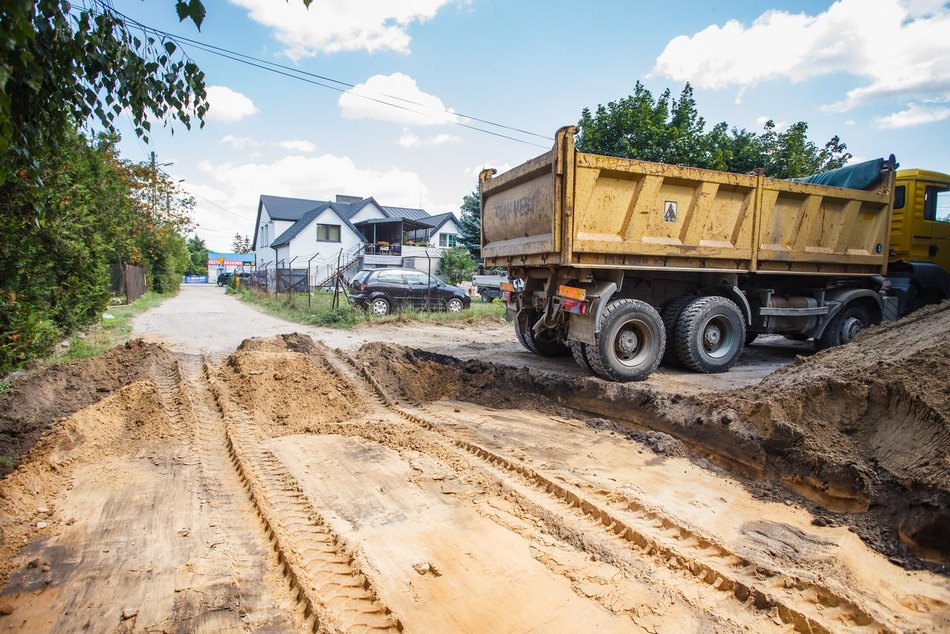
(471, 224)
(456, 264)
(197, 256)
(671, 131)
(240, 244)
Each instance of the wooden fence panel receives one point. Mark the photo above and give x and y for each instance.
(134, 283)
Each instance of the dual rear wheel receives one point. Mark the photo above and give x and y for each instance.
(703, 334)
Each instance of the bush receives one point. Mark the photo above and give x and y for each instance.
(456, 264)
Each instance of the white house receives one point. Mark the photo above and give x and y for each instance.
(352, 231)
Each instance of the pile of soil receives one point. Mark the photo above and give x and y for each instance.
(35, 403)
(288, 381)
(860, 431)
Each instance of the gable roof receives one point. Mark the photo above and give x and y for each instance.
(438, 220)
(339, 209)
(281, 208)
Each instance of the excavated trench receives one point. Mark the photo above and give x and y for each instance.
(860, 432)
(291, 487)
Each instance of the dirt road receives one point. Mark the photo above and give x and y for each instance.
(291, 485)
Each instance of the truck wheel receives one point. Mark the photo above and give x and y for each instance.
(579, 352)
(631, 341)
(546, 344)
(671, 315)
(519, 333)
(710, 334)
(845, 326)
(486, 297)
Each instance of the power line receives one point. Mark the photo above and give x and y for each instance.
(293, 73)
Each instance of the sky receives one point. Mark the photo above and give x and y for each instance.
(453, 72)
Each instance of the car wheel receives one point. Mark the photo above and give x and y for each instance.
(845, 326)
(710, 334)
(631, 341)
(380, 306)
(454, 305)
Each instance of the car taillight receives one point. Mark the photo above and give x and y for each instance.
(364, 286)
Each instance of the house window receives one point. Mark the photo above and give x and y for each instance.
(447, 239)
(328, 233)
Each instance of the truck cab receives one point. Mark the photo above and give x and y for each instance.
(920, 238)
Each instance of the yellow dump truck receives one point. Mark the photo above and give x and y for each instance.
(626, 263)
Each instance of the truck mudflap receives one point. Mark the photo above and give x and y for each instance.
(584, 327)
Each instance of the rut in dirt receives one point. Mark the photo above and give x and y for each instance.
(862, 431)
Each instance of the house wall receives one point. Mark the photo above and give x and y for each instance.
(368, 212)
(267, 231)
(449, 227)
(305, 245)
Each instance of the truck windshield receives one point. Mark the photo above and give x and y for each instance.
(943, 206)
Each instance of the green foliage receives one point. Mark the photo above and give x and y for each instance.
(197, 256)
(99, 213)
(63, 64)
(240, 244)
(667, 130)
(109, 332)
(471, 224)
(456, 264)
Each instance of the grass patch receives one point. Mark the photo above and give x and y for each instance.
(319, 312)
(109, 333)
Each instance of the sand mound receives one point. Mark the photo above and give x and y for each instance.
(34, 404)
(288, 381)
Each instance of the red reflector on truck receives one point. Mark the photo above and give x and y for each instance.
(506, 286)
(574, 306)
(572, 293)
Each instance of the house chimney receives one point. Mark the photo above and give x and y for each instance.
(340, 198)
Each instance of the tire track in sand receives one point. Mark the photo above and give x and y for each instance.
(806, 606)
(324, 577)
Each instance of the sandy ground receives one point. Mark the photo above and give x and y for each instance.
(285, 484)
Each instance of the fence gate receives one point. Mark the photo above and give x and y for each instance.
(134, 283)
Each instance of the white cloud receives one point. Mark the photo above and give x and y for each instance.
(239, 142)
(300, 145)
(332, 26)
(317, 177)
(228, 105)
(414, 107)
(915, 114)
(410, 140)
(899, 47)
(761, 121)
(500, 167)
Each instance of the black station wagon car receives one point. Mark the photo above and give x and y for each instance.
(382, 291)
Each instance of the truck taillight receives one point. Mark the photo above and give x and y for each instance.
(574, 306)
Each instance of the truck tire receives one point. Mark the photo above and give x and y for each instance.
(544, 344)
(852, 319)
(631, 341)
(486, 297)
(710, 334)
(671, 315)
(579, 352)
(520, 335)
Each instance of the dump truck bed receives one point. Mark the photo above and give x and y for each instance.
(569, 208)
